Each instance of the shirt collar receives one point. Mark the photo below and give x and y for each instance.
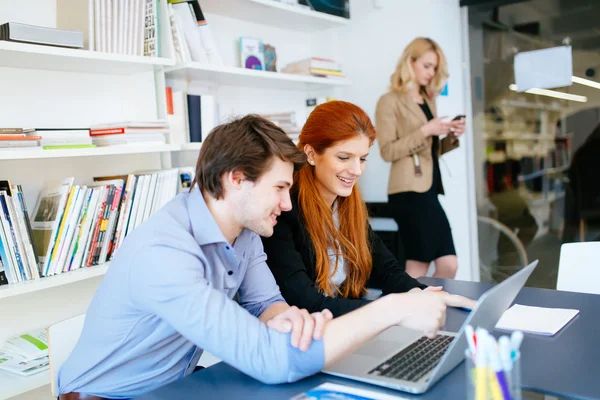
(204, 226)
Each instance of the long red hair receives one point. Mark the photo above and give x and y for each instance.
(328, 124)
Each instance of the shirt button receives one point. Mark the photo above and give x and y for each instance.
(230, 273)
(227, 247)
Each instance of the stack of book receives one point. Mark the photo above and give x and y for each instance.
(287, 122)
(114, 26)
(192, 37)
(191, 117)
(315, 66)
(20, 138)
(62, 138)
(130, 132)
(75, 226)
(25, 355)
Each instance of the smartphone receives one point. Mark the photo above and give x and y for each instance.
(459, 117)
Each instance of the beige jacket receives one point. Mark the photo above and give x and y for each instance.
(398, 121)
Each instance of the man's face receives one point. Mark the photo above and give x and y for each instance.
(261, 202)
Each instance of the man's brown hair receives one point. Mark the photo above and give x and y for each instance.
(246, 144)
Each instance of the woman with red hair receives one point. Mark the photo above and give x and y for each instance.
(323, 252)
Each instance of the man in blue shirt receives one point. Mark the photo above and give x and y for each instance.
(169, 291)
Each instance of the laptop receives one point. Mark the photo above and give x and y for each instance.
(402, 359)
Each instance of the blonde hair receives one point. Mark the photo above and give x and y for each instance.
(404, 76)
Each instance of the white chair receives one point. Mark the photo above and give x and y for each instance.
(579, 267)
(62, 338)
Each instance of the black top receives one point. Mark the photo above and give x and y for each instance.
(290, 255)
(435, 145)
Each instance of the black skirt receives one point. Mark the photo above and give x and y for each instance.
(422, 223)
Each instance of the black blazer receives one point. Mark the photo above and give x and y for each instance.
(290, 255)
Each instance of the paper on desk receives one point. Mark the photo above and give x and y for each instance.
(333, 391)
(537, 320)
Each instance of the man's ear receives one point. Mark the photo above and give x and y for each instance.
(235, 179)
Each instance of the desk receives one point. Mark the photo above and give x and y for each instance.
(565, 365)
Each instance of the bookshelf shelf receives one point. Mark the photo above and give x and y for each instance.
(233, 76)
(191, 146)
(65, 278)
(24, 154)
(274, 13)
(23, 55)
(13, 385)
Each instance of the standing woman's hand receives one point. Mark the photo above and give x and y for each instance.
(458, 127)
(437, 127)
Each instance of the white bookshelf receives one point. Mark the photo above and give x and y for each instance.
(24, 55)
(274, 13)
(13, 385)
(17, 289)
(191, 146)
(37, 153)
(233, 76)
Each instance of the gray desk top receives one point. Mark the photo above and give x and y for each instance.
(565, 365)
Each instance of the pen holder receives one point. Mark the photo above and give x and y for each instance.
(483, 383)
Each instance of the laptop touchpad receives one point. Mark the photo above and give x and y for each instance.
(379, 348)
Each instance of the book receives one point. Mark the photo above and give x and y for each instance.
(251, 53)
(17, 32)
(47, 217)
(334, 391)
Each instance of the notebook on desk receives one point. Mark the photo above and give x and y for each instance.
(536, 320)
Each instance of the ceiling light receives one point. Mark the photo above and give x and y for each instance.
(586, 82)
(552, 93)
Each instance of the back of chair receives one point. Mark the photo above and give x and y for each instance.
(62, 338)
(579, 267)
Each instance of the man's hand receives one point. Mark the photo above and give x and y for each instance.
(304, 326)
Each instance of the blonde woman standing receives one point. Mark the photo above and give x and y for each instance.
(408, 131)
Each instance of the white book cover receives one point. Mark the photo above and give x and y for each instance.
(185, 18)
(109, 26)
(46, 218)
(156, 201)
(97, 25)
(17, 366)
(121, 27)
(87, 195)
(207, 40)
(208, 111)
(179, 42)
(28, 346)
(178, 121)
(14, 234)
(135, 200)
(74, 216)
(139, 202)
(252, 53)
(88, 218)
(25, 239)
(8, 245)
(123, 212)
(62, 230)
(151, 196)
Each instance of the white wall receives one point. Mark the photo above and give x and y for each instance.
(371, 46)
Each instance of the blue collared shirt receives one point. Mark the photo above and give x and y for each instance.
(168, 292)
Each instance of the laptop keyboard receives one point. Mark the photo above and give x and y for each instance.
(416, 360)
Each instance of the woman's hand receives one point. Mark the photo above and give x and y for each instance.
(437, 127)
(458, 127)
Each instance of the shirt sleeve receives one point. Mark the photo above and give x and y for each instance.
(170, 283)
(290, 273)
(258, 290)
